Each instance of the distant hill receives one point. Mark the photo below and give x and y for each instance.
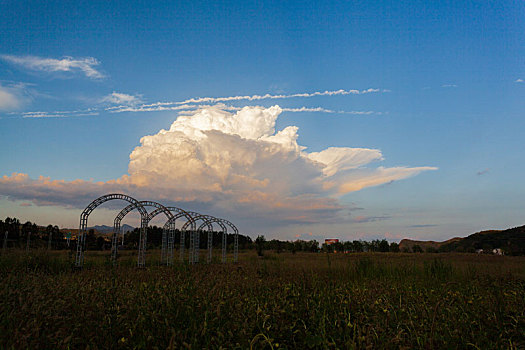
(511, 241)
(409, 243)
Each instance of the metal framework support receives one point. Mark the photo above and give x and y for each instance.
(170, 225)
(164, 245)
(168, 237)
(195, 234)
(143, 238)
(235, 241)
(191, 247)
(171, 244)
(181, 245)
(210, 221)
(224, 246)
(82, 230)
(196, 246)
(210, 246)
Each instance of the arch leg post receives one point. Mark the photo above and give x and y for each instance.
(171, 243)
(181, 245)
(141, 263)
(224, 243)
(235, 247)
(114, 248)
(210, 246)
(164, 246)
(196, 245)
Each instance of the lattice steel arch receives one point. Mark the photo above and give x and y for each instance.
(144, 238)
(194, 237)
(235, 241)
(169, 227)
(81, 239)
(211, 220)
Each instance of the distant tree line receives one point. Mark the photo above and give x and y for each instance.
(30, 235)
(355, 246)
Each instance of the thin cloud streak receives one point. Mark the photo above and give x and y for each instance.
(130, 103)
(272, 97)
(189, 108)
(66, 64)
(59, 114)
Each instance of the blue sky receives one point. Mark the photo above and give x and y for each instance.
(448, 93)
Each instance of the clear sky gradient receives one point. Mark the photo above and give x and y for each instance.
(447, 105)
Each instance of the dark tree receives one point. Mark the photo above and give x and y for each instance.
(417, 249)
(394, 247)
(259, 244)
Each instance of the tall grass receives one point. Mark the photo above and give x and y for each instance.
(281, 301)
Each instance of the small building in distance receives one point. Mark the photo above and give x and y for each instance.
(330, 241)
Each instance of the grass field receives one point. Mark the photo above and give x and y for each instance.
(303, 300)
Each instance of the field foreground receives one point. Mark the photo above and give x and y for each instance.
(307, 300)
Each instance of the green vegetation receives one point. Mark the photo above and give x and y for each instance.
(301, 300)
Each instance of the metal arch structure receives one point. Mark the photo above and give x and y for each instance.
(211, 220)
(235, 242)
(81, 239)
(194, 236)
(143, 238)
(168, 231)
(167, 244)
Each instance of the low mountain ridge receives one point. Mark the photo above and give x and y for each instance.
(511, 241)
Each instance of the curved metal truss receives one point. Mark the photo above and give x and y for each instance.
(195, 236)
(235, 241)
(143, 238)
(81, 240)
(212, 220)
(168, 232)
(172, 213)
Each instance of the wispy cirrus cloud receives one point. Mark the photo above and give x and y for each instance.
(60, 114)
(67, 64)
(189, 108)
(280, 96)
(519, 80)
(124, 100)
(196, 103)
(449, 86)
(12, 97)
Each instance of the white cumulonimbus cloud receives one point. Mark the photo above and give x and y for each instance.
(67, 64)
(229, 162)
